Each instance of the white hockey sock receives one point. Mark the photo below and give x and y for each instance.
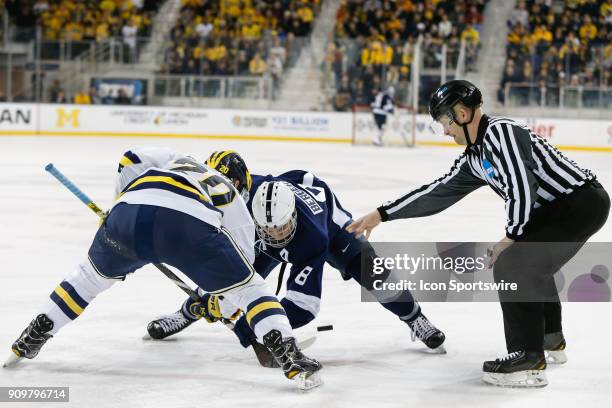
(263, 310)
(73, 295)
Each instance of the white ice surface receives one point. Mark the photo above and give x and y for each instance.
(369, 359)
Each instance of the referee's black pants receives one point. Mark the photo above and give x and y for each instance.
(568, 221)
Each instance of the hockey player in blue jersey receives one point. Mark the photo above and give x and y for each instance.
(299, 221)
(382, 106)
(173, 209)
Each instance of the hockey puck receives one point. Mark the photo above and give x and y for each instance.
(325, 328)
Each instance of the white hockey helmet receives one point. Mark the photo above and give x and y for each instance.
(274, 213)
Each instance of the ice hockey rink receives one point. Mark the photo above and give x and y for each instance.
(369, 359)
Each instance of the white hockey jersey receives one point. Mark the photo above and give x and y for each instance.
(165, 178)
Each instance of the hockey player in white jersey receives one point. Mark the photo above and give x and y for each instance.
(172, 209)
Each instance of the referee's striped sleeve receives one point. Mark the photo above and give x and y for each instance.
(511, 144)
(434, 197)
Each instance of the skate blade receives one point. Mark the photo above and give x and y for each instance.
(147, 337)
(12, 361)
(555, 356)
(520, 379)
(438, 350)
(308, 381)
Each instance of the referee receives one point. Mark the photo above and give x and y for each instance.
(548, 198)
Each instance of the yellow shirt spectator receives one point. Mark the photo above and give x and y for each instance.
(107, 5)
(251, 31)
(257, 66)
(216, 53)
(230, 7)
(376, 53)
(514, 37)
(471, 34)
(101, 32)
(198, 52)
(406, 5)
(259, 19)
(82, 98)
(394, 24)
(73, 32)
(305, 13)
(588, 31)
(365, 56)
(387, 55)
(541, 33)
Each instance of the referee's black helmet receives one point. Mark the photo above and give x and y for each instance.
(451, 93)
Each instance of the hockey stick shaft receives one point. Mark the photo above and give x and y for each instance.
(100, 213)
(74, 190)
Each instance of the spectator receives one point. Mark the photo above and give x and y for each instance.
(122, 98)
(221, 68)
(203, 29)
(471, 35)
(588, 30)
(570, 53)
(82, 98)
(509, 77)
(60, 97)
(275, 67)
(242, 63)
(473, 17)
(257, 66)
(278, 50)
(541, 37)
(54, 90)
(342, 100)
(445, 26)
(94, 96)
(520, 15)
(360, 96)
(129, 32)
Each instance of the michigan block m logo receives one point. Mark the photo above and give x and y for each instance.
(68, 117)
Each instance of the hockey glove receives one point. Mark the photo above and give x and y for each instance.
(210, 309)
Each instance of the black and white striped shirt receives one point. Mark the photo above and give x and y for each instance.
(519, 165)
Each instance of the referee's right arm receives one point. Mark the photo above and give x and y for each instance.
(434, 197)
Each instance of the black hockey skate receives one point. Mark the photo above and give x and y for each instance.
(31, 340)
(168, 325)
(520, 369)
(554, 348)
(295, 365)
(429, 334)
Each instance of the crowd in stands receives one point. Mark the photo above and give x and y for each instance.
(88, 97)
(83, 20)
(374, 43)
(239, 37)
(560, 47)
